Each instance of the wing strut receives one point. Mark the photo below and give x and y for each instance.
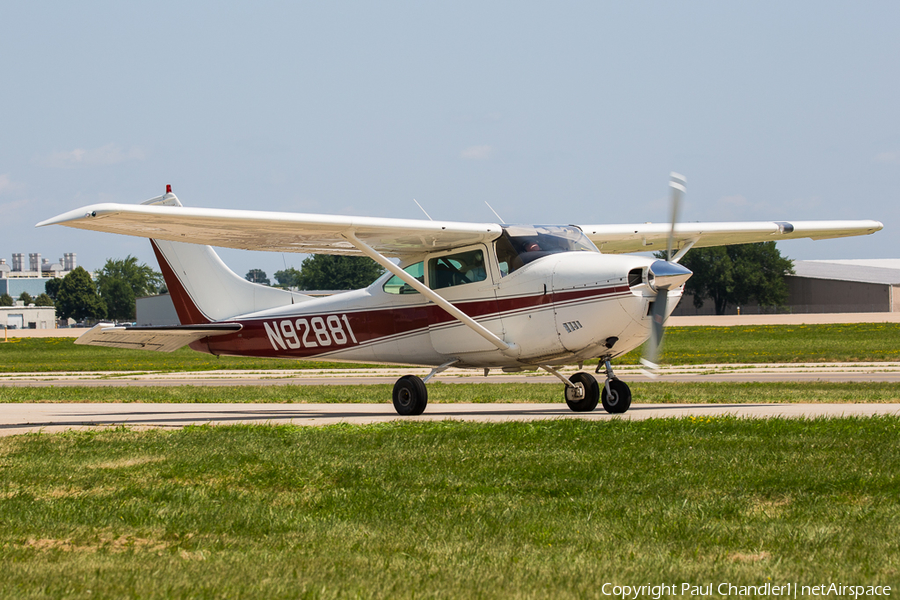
(430, 294)
(684, 250)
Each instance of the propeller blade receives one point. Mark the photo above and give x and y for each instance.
(677, 188)
(666, 275)
(657, 327)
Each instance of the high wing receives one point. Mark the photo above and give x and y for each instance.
(275, 231)
(330, 234)
(644, 237)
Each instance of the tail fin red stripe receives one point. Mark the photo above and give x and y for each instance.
(188, 312)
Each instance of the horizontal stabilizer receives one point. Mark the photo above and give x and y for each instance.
(161, 339)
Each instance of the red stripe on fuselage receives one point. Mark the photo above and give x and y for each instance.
(381, 324)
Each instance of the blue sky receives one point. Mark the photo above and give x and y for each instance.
(564, 112)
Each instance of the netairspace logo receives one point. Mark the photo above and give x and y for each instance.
(725, 589)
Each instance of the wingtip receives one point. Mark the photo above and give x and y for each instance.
(64, 218)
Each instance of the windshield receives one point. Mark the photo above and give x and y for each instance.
(521, 244)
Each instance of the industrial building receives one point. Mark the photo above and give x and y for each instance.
(27, 317)
(15, 279)
(827, 286)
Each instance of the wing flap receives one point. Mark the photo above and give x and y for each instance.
(159, 339)
(649, 237)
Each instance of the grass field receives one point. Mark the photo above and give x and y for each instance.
(652, 392)
(683, 345)
(449, 510)
(550, 509)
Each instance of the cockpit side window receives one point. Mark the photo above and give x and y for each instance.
(395, 285)
(456, 269)
(506, 255)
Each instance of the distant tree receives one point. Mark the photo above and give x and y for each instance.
(43, 300)
(119, 299)
(26, 298)
(77, 297)
(141, 278)
(336, 272)
(121, 281)
(52, 286)
(736, 275)
(7, 300)
(288, 278)
(257, 276)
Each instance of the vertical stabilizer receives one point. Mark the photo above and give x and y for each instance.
(203, 288)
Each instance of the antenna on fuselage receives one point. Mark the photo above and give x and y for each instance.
(423, 210)
(495, 212)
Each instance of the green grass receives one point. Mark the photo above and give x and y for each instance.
(40, 355)
(848, 342)
(652, 392)
(449, 510)
(683, 345)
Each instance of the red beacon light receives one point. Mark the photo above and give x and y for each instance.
(168, 188)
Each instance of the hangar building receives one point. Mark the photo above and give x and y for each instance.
(828, 286)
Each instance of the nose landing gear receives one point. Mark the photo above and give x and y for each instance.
(616, 395)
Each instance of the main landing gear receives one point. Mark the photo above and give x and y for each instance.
(586, 392)
(410, 396)
(583, 393)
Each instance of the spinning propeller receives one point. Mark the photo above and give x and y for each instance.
(665, 275)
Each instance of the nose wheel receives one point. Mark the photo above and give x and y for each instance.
(616, 395)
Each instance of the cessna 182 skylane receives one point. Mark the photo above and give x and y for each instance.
(472, 295)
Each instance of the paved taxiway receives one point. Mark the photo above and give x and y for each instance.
(834, 372)
(50, 417)
(22, 418)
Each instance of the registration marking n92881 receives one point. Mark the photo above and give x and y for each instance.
(313, 332)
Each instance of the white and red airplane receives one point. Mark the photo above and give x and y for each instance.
(472, 295)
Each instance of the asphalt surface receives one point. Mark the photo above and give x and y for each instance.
(49, 418)
(836, 372)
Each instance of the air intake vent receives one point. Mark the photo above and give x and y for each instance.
(635, 277)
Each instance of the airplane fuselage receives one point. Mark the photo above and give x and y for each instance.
(560, 308)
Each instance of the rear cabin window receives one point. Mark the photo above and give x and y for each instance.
(456, 269)
(395, 285)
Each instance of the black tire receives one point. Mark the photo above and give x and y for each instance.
(410, 396)
(620, 399)
(591, 393)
